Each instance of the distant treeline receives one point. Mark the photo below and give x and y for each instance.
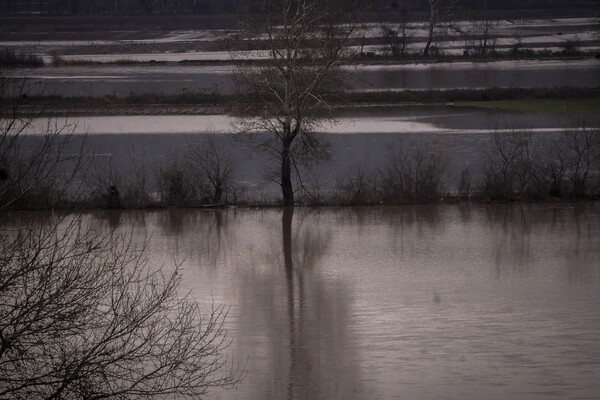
(199, 7)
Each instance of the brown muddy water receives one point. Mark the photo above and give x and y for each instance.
(413, 302)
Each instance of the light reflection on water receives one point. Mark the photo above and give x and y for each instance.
(423, 302)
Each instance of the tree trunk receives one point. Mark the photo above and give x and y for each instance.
(431, 29)
(286, 156)
(286, 175)
(486, 30)
(218, 194)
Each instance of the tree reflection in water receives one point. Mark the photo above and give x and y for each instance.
(317, 318)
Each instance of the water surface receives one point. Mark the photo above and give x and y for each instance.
(122, 80)
(422, 302)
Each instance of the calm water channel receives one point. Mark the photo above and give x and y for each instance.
(423, 302)
(122, 80)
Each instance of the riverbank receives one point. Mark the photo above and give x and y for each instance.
(153, 170)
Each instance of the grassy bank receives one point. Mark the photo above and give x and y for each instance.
(539, 106)
(360, 59)
(545, 100)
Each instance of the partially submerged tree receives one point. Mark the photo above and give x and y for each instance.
(290, 92)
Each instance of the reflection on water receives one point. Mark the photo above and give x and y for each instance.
(423, 302)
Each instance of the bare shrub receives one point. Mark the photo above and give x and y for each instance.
(212, 164)
(508, 169)
(104, 182)
(358, 186)
(550, 175)
(518, 167)
(579, 143)
(84, 316)
(415, 178)
(397, 179)
(479, 39)
(137, 190)
(177, 185)
(396, 37)
(428, 169)
(112, 187)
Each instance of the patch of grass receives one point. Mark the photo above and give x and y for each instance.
(539, 106)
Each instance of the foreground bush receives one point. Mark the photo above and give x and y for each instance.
(82, 316)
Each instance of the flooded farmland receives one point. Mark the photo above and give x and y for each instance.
(299, 200)
(368, 138)
(123, 80)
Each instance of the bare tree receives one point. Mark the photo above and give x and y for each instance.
(439, 12)
(83, 316)
(396, 37)
(479, 35)
(306, 42)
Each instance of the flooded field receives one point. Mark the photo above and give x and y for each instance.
(367, 138)
(446, 301)
(427, 302)
(393, 119)
(122, 80)
(201, 44)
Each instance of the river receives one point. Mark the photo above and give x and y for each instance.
(412, 302)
